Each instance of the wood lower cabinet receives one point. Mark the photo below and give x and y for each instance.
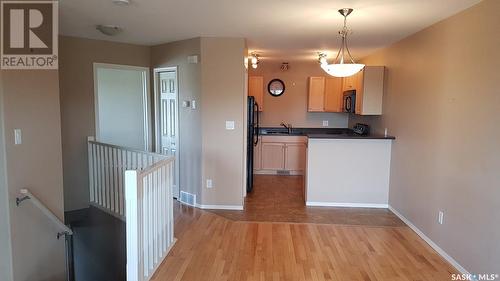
(273, 156)
(257, 155)
(295, 156)
(281, 153)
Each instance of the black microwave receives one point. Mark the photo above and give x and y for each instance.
(349, 101)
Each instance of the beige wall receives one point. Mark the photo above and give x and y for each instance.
(77, 56)
(291, 107)
(223, 98)
(5, 243)
(31, 103)
(218, 81)
(442, 103)
(189, 76)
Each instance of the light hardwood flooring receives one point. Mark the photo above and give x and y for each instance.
(281, 199)
(215, 247)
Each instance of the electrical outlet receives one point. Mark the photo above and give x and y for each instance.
(209, 183)
(441, 217)
(229, 125)
(325, 123)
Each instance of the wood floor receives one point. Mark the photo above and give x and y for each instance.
(281, 199)
(213, 247)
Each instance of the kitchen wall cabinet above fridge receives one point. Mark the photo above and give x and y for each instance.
(256, 89)
(326, 93)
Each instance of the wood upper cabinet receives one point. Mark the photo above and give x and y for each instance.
(325, 94)
(333, 94)
(273, 156)
(316, 100)
(369, 86)
(256, 89)
(350, 83)
(358, 78)
(295, 156)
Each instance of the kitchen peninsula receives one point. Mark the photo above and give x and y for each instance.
(348, 170)
(341, 168)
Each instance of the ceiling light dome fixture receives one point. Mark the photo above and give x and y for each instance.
(121, 2)
(110, 30)
(342, 66)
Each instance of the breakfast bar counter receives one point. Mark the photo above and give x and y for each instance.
(348, 171)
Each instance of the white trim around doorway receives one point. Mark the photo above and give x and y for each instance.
(146, 98)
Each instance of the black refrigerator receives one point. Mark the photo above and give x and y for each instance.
(252, 138)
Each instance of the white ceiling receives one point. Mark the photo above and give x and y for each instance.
(283, 29)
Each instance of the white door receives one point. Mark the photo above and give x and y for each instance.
(168, 142)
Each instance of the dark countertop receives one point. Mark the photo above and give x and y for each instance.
(319, 133)
(350, 136)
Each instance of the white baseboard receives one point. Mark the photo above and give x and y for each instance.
(220, 207)
(352, 205)
(431, 243)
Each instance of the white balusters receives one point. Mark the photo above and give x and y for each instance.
(135, 186)
(149, 218)
(107, 165)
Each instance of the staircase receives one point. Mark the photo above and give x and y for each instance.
(128, 228)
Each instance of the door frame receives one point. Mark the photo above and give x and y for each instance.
(145, 97)
(157, 125)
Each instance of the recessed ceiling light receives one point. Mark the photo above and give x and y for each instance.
(109, 30)
(121, 2)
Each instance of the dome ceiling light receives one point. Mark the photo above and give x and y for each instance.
(121, 2)
(110, 30)
(344, 64)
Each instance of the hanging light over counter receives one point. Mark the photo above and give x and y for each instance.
(344, 64)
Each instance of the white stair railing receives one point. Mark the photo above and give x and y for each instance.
(149, 218)
(107, 166)
(135, 186)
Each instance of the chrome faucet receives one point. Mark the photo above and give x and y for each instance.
(287, 126)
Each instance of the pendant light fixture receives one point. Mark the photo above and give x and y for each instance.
(344, 64)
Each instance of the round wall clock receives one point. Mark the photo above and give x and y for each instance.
(276, 87)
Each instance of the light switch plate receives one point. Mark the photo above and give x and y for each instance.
(229, 125)
(18, 136)
(325, 123)
(209, 183)
(441, 217)
(193, 59)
